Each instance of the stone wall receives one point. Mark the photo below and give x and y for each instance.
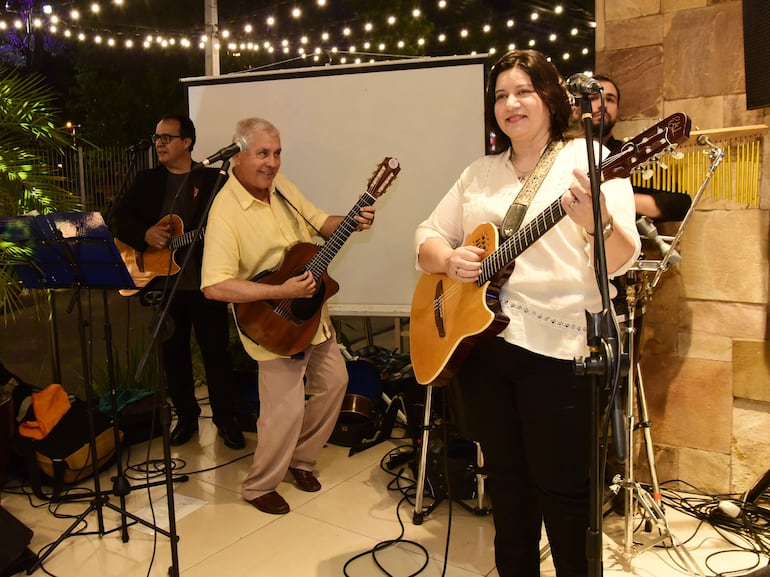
(705, 354)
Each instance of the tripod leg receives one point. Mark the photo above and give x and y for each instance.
(52, 547)
(419, 512)
(644, 423)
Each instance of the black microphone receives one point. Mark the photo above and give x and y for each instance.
(647, 229)
(140, 146)
(224, 153)
(580, 85)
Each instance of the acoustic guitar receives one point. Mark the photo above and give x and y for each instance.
(448, 318)
(286, 327)
(143, 266)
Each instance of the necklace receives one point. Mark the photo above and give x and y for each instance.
(522, 176)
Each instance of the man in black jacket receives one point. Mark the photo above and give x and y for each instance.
(142, 220)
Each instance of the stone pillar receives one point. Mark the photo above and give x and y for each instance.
(705, 356)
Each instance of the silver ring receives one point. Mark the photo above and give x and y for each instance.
(571, 204)
(457, 271)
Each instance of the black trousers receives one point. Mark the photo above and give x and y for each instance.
(190, 310)
(531, 416)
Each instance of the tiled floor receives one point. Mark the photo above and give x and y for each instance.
(358, 507)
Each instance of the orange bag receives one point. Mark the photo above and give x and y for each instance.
(49, 406)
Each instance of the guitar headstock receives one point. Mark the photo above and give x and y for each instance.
(647, 146)
(383, 176)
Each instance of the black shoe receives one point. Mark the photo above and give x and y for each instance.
(183, 432)
(232, 435)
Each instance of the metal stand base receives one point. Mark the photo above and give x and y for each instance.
(642, 509)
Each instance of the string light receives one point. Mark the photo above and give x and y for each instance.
(244, 36)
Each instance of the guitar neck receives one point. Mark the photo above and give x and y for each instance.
(520, 241)
(183, 239)
(527, 235)
(320, 262)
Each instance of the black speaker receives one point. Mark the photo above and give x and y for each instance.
(14, 538)
(756, 48)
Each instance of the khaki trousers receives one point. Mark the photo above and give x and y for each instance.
(299, 403)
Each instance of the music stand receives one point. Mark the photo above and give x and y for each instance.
(76, 250)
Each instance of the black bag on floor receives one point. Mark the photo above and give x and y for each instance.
(65, 455)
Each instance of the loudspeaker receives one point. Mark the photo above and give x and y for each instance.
(14, 538)
(756, 48)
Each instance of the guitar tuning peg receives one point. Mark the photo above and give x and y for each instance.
(663, 165)
(677, 154)
(647, 174)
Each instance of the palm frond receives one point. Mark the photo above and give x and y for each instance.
(29, 134)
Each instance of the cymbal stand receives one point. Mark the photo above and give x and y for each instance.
(650, 505)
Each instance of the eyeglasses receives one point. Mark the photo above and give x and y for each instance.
(164, 138)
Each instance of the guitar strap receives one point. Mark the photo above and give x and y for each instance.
(518, 208)
(302, 216)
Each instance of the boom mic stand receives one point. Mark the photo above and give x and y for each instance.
(605, 353)
(160, 323)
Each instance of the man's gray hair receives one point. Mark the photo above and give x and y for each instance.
(248, 126)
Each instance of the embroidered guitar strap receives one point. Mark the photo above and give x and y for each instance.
(518, 208)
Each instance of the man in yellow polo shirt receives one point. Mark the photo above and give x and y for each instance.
(254, 219)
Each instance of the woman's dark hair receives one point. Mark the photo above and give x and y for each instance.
(547, 82)
(186, 127)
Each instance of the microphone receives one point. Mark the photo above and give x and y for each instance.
(647, 229)
(580, 85)
(140, 146)
(224, 153)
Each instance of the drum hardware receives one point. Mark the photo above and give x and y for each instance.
(637, 293)
(715, 155)
(637, 500)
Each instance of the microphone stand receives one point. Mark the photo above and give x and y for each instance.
(166, 410)
(604, 346)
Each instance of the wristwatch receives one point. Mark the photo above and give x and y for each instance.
(608, 229)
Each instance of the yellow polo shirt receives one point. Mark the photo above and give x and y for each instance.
(245, 237)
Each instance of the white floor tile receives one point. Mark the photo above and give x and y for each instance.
(356, 509)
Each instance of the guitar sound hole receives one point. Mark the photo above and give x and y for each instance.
(303, 309)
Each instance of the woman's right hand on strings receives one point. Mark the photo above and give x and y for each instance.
(464, 264)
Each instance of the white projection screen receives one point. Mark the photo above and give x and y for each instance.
(337, 123)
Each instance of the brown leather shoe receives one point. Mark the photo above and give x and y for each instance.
(271, 503)
(305, 480)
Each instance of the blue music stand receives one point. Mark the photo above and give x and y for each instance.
(67, 249)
